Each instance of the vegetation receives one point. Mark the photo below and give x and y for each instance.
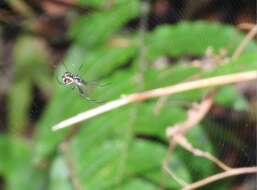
(124, 148)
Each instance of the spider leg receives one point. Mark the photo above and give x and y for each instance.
(83, 94)
(80, 67)
(96, 83)
(93, 100)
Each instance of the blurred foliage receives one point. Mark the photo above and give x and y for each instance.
(114, 150)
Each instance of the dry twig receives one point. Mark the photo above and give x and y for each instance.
(159, 92)
(176, 135)
(244, 42)
(70, 164)
(216, 177)
(182, 141)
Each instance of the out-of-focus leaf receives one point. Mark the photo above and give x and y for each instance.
(96, 3)
(18, 105)
(199, 167)
(247, 62)
(92, 30)
(145, 160)
(102, 3)
(93, 64)
(16, 165)
(152, 122)
(73, 102)
(112, 151)
(112, 162)
(137, 184)
(230, 97)
(60, 178)
(169, 76)
(4, 155)
(30, 55)
(193, 38)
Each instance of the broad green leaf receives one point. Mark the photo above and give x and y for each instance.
(94, 29)
(115, 150)
(193, 38)
(60, 178)
(169, 76)
(113, 161)
(152, 122)
(247, 62)
(74, 103)
(199, 167)
(137, 184)
(230, 97)
(96, 3)
(19, 103)
(102, 3)
(30, 55)
(16, 164)
(5, 163)
(95, 64)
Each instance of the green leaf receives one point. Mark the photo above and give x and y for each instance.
(166, 116)
(16, 165)
(247, 62)
(169, 76)
(193, 38)
(59, 175)
(111, 163)
(92, 30)
(137, 184)
(94, 64)
(230, 97)
(30, 55)
(115, 150)
(199, 167)
(102, 3)
(18, 106)
(74, 103)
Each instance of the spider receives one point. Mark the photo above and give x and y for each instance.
(70, 79)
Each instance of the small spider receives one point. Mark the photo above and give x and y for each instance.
(70, 79)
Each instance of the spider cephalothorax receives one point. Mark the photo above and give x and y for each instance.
(68, 78)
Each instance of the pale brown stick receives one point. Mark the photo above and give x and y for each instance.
(71, 165)
(244, 42)
(175, 177)
(246, 26)
(176, 133)
(216, 177)
(182, 141)
(165, 167)
(203, 83)
(194, 116)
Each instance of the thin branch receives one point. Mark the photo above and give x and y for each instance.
(216, 177)
(182, 141)
(165, 166)
(159, 92)
(175, 177)
(194, 116)
(246, 26)
(244, 42)
(176, 134)
(71, 165)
